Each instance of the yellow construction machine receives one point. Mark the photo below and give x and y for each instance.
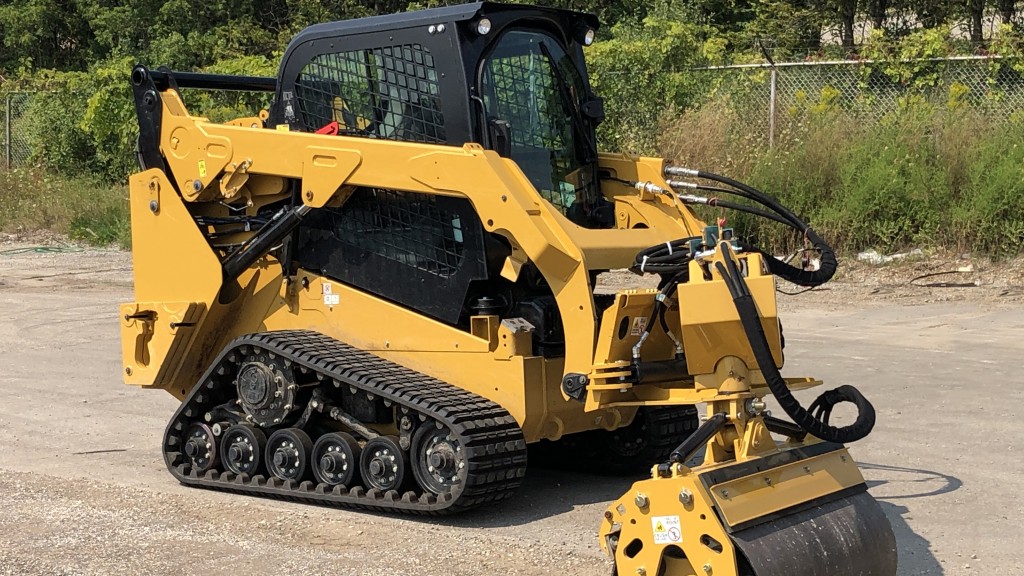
(379, 290)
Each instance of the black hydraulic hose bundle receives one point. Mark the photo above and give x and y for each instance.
(816, 420)
(668, 258)
(672, 260)
(808, 278)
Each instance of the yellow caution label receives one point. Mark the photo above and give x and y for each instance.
(666, 530)
(284, 128)
(202, 168)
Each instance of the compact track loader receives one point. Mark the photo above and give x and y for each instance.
(377, 292)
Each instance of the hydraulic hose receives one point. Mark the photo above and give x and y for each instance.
(816, 420)
(668, 258)
(748, 209)
(800, 277)
(699, 438)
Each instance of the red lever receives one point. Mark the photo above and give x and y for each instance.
(331, 129)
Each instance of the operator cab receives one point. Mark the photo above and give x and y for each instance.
(511, 78)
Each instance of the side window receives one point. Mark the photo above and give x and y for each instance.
(389, 92)
(520, 84)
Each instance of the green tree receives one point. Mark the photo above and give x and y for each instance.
(44, 34)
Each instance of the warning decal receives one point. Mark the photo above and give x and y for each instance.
(329, 298)
(666, 530)
(639, 323)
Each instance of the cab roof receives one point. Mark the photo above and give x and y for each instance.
(445, 14)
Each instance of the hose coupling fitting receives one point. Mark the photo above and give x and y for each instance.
(649, 188)
(681, 171)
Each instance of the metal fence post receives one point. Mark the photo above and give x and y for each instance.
(7, 134)
(771, 109)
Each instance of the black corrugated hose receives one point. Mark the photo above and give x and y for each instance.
(808, 278)
(816, 420)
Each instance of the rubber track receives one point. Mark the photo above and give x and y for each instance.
(491, 439)
(671, 426)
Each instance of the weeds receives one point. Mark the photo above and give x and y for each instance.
(927, 176)
(930, 175)
(82, 207)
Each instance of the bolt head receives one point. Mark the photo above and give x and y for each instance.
(641, 571)
(641, 500)
(154, 206)
(707, 568)
(197, 185)
(685, 497)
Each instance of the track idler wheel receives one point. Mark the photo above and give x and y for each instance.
(383, 464)
(288, 454)
(336, 459)
(200, 447)
(242, 448)
(438, 461)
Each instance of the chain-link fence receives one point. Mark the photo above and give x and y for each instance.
(14, 150)
(767, 99)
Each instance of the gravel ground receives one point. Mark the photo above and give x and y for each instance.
(84, 491)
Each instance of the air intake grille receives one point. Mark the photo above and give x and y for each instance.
(388, 92)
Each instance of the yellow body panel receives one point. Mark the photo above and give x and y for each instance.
(757, 495)
(711, 326)
(525, 385)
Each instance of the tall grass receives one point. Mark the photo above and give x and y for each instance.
(83, 207)
(925, 176)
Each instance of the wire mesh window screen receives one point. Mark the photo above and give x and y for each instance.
(524, 93)
(403, 227)
(389, 92)
(520, 87)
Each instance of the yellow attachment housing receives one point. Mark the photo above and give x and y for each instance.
(684, 523)
(710, 325)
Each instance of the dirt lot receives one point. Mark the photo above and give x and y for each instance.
(83, 489)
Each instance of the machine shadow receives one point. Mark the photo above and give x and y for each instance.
(546, 492)
(892, 484)
(550, 491)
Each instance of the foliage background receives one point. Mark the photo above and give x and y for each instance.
(935, 172)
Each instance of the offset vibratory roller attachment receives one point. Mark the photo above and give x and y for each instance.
(377, 292)
(754, 505)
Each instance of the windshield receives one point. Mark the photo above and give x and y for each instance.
(529, 81)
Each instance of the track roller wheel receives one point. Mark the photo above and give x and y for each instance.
(288, 454)
(201, 447)
(383, 464)
(437, 459)
(242, 448)
(336, 459)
